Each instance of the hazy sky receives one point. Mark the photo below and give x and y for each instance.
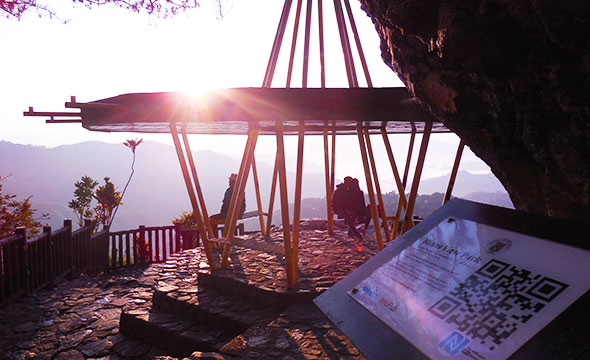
(107, 51)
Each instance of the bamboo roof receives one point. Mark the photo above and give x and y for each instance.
(235, 110)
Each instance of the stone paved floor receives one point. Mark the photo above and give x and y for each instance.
(79, 319)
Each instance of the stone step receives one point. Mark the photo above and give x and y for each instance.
(192, 318)
(173, 333)
(214, 309)
(226, 282)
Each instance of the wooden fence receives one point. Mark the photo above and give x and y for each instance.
(149, 244)
(30, 264)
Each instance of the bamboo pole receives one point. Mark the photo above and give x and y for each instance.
(329, 216)
(191, 163)
(333, 164)
(358, 44)
(258, 197)
(284, 205)
(306, 43)
(370, 192)
(242, 180)
(380, 204)
(453, 176)
(192, 197)
(293, 43)
(299, 170)
(276, 47)
(398, 180)
(234, 198)
(297, 200)
(397, 219)
(240, 187)
(321, 36)
(408, 220)
(343, 42)
(273, 189)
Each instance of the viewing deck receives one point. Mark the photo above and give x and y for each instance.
(178, 307)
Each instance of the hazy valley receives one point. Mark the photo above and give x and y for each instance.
(157, 192)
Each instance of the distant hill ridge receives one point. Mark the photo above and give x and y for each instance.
(157, 192)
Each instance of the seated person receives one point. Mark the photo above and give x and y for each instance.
(348, 202)
(227, 199)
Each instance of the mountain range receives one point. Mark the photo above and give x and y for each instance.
(157, 192)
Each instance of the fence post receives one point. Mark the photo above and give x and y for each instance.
(67, 256)
(65, 247)
(140, 246)
(46, 253)
(91, 247)
(23, 269)
(110, 258)
(177, 237)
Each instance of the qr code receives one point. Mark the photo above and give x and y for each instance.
(495, 300)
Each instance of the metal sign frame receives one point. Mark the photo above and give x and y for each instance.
(565, 337)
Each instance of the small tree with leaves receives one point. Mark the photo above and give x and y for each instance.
(108, 200)
(186, 220)
(82, 201)
(15, 213)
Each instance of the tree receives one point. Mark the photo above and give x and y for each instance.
(15, 213)
(107, 197)
(160, 8)
(108, 200)
(81, 204)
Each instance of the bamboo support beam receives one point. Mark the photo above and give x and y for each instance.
(294, 43)
(258, 197)
(273, 189)
(380, 203)
(348, 61)
(234, 198)
(191, 162)
(285, 206)
(397, 219)
(398, 180)
(297, 200)
(31, 112)
(454, 171)
(408, 219)
(192, 197)
(239, 193)
(329, 216)
(306, 43)
(242, 180)
(358, 44)
(63, 121)
(321, 40)
(333, 163)
(276, 46)
(370, 191)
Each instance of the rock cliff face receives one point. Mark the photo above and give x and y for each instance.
(511, 78)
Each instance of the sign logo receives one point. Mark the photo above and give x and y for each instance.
(453, 343)
(498, 246)
(370, 292)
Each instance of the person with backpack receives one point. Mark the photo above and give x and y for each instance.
(348, 202)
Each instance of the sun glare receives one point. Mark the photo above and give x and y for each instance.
(197, 91)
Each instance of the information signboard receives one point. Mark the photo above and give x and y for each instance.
(470, 291)
(471, 281)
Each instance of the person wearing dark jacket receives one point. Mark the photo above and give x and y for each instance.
(348, 202)
(227, 199)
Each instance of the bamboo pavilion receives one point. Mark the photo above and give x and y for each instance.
(278, 112)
